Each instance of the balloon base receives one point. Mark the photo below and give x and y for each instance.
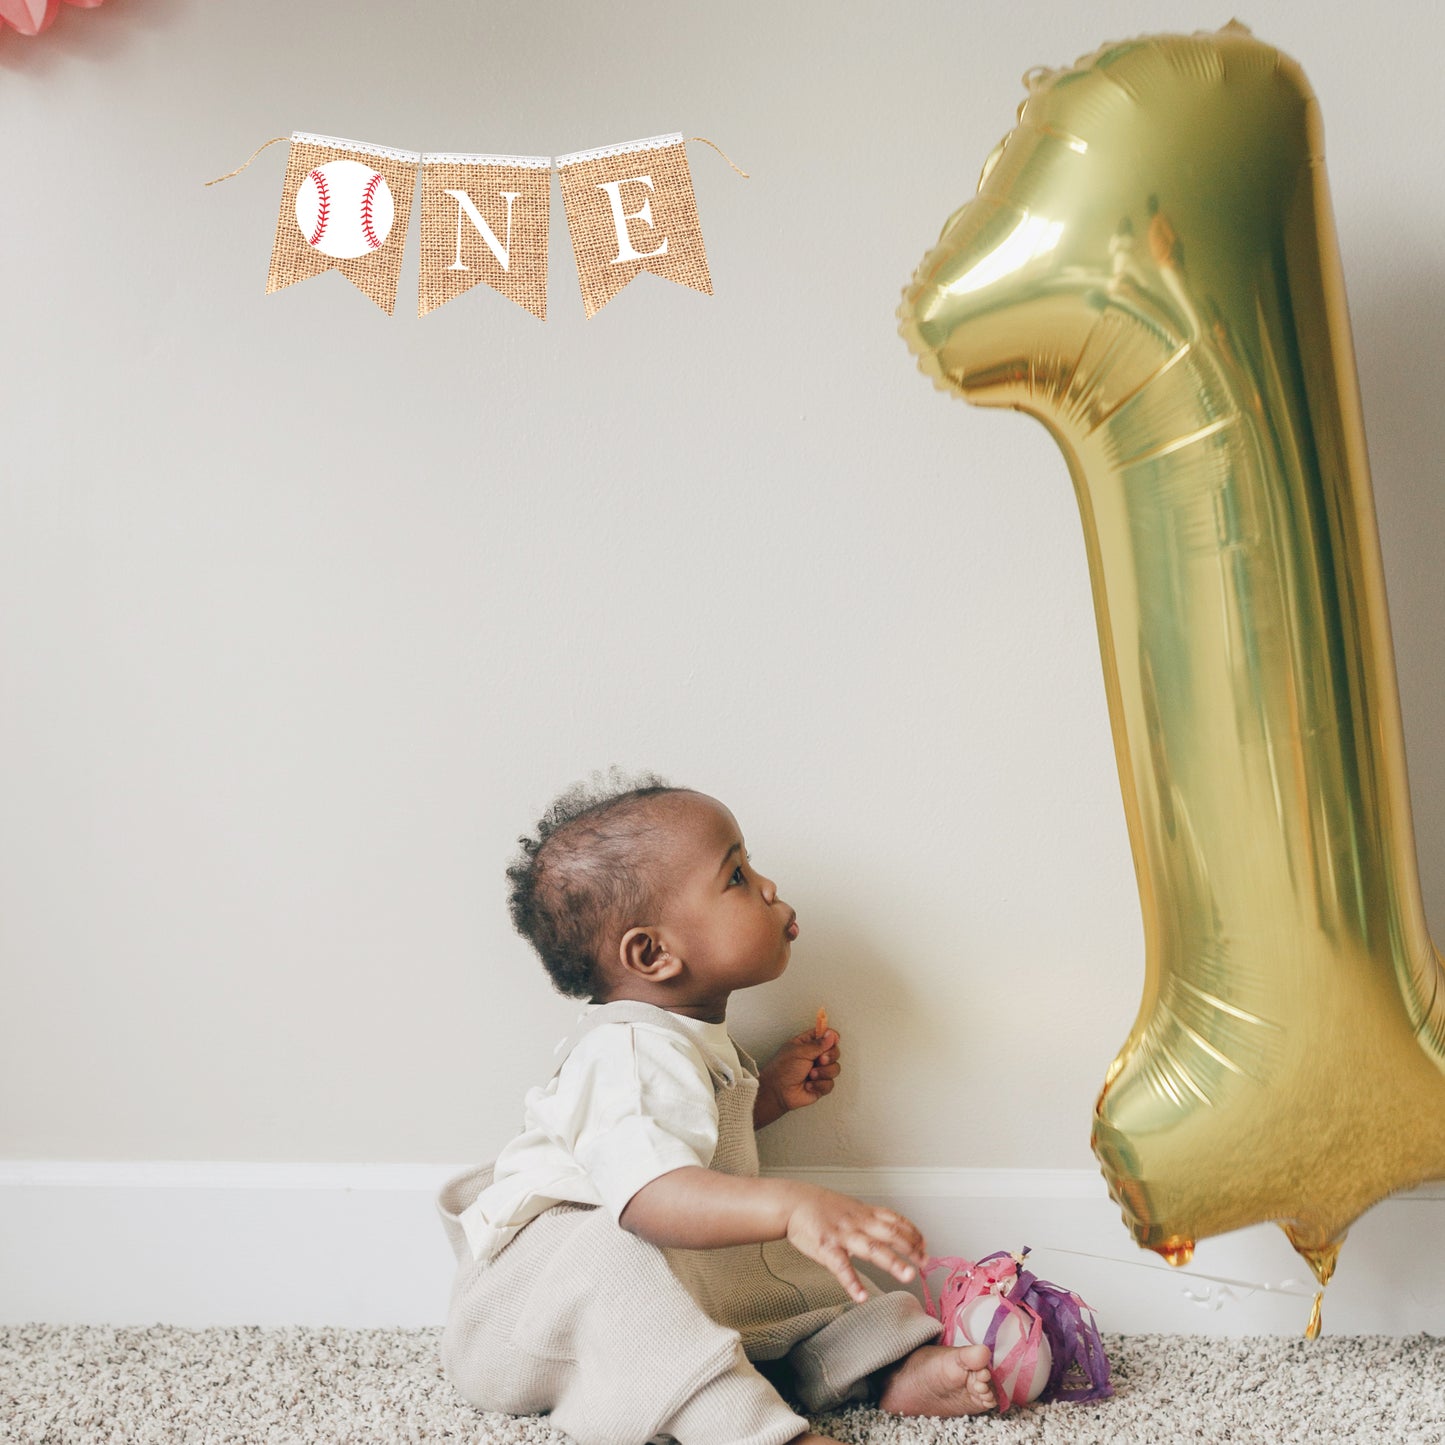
(1177, 1252)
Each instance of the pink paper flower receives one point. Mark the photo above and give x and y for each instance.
(30, 17)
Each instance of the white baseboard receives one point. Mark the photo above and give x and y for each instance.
(199, 1244)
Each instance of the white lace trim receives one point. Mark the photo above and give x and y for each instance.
(387, 152)
(446, 158)
(653, 143)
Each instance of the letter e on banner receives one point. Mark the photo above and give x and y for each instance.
(601, 215)
(625, 249)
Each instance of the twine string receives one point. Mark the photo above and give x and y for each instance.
(242, 167)
(722, 153)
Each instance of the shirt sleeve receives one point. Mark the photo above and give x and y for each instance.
(644, 1106)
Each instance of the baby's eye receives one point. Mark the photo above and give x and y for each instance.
(737, 875)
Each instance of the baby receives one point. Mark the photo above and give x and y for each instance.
(622, 1264)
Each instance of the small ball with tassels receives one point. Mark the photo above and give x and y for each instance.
(1044, 1338)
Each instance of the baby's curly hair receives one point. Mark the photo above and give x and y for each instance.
(591, 871)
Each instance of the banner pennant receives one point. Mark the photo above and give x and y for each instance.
(631, 208)
(344, 204)
(484, 218)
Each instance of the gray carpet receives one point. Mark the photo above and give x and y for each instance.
(64, 1384)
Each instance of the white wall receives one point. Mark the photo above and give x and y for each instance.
(307, 612)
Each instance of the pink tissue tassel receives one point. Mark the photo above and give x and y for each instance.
(30, 17)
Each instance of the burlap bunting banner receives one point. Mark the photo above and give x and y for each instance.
(630, 208)
(344, 204)
(484, 218)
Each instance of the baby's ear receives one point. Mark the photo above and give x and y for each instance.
(643, 955)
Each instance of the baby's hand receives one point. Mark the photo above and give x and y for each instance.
(835, 1229)
(802, 1071)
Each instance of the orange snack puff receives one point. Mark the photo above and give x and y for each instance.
(821, 1027)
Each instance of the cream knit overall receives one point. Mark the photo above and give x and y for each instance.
(624, 1342)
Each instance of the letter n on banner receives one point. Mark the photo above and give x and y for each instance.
(484, 218)
(344, 204)
(630, 208)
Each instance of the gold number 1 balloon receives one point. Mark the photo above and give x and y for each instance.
(1150, 268)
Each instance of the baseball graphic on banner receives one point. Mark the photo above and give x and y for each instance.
(345, 209)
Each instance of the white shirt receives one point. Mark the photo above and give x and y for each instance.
(631, 1102)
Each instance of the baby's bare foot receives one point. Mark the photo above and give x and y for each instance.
(940, 1380)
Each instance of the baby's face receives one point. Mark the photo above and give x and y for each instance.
(720, 917)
